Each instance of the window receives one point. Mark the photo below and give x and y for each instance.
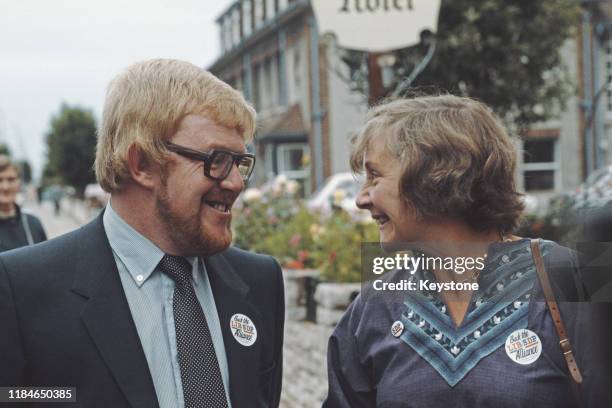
(540, 168)
(297, 74)
(256, 78)
(270, 9)
(258, 6)
(236, 26)
(290, 159)
(247, 21)
(282, 5)
(226, 33)
(269, 85)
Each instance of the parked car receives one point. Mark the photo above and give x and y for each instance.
(339, 190)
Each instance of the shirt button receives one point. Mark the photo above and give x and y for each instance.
(139, 278)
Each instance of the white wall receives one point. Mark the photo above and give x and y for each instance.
(346, 111)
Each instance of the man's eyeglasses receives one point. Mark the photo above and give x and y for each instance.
(218, 163)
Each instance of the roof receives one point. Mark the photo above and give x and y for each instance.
(288, 123)
(227, 10)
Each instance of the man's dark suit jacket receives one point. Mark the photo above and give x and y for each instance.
(65, 321)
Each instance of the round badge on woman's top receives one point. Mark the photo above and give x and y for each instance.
(523, 346)
(397, 328)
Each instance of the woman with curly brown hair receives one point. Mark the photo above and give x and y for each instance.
(440, 182)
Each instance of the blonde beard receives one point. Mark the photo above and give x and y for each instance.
(186, 234)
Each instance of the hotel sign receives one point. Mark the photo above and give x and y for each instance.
(376, 25)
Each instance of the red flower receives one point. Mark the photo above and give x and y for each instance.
(303, 255)
(295, 240)
(294, 264)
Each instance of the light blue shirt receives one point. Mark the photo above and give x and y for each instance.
(149, 294)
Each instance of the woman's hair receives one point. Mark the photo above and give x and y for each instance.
(456, 159)
(145, 104)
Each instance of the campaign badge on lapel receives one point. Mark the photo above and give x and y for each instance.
(243, 329)
(523, 346)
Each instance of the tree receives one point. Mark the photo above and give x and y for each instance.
(506, 54)
(4, 149)
(71, 146)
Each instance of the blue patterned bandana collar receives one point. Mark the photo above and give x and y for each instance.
(498, 308)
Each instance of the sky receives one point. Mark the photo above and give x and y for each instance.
(68, 51)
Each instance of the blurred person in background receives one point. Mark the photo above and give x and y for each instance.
(17, 227)
(440, 182)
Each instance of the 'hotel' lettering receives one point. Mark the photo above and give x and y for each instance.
(376, 5)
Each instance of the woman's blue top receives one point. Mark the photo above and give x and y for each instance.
(432, 363)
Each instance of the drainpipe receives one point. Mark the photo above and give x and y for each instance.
(597, 112)
(316, 101)
(587, 102)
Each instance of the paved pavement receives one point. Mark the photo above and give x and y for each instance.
(304, 368)
(304, 365)
(54, 225)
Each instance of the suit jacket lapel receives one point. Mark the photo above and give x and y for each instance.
(243, 361)
(108, 318)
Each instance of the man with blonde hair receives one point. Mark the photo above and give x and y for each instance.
(149, 305)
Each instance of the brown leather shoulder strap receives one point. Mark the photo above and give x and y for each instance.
(564, 342)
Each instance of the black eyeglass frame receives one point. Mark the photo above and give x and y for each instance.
(208, 158)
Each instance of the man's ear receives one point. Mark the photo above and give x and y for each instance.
(142, 170)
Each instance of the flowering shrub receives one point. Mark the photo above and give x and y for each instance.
(339, 247)
(275, 221)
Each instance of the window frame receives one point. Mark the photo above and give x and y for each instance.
(554, 166)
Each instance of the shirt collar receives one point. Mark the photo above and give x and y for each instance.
(139, 255)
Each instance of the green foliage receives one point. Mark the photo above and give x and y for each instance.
(4, 149)
(280, 225)
(506, 54)
(339, 246)
(71, 145)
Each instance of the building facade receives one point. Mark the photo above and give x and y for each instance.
(272, 52)
(307, 111)
(595, 59)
